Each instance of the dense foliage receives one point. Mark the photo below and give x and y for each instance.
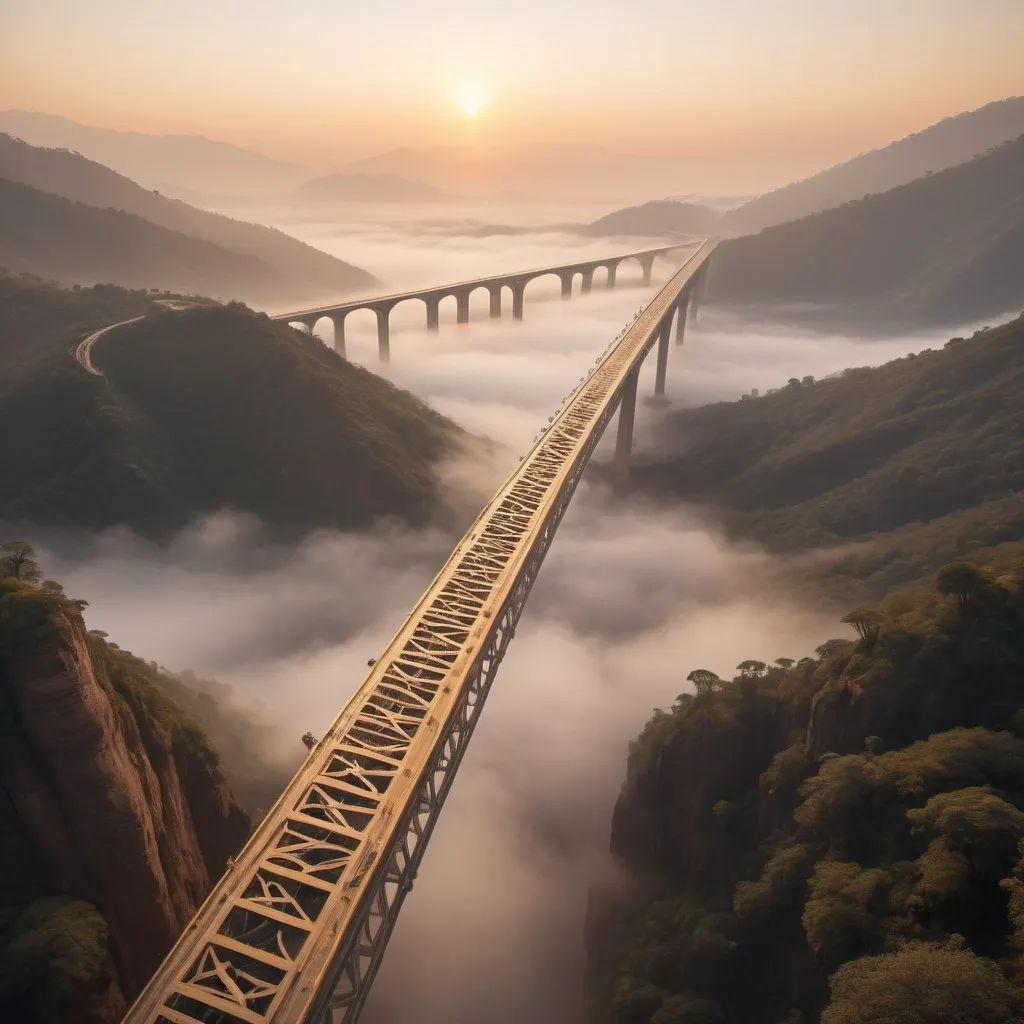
(202, 409)
(838, 839)
(888, 257)
(920, 460)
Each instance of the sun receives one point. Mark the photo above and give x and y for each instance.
(471, 102)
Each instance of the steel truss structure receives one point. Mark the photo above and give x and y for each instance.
(297, 927)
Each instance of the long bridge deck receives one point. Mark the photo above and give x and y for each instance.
(296, 928)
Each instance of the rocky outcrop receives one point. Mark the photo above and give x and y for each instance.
(110, 794)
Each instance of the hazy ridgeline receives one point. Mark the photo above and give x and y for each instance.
(629, 601)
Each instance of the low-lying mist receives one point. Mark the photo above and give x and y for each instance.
(629, 601)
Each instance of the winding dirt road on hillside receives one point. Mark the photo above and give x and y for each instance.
(83, 350)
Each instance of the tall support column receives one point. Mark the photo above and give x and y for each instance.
(647, 263)
(339, 334)
(697, 298)
(566, 285)
(681, 309)
(612, 269)
(662, 365)
(433, 314)
(588, 281)
(462, 307)
(624, 438)
(518, 291)
(383, 335)
(496, 303)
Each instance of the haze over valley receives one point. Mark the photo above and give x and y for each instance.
(754, 753)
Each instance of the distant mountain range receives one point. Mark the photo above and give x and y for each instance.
(98, 242)
(377, 188)
(186, 165)
(213, 407)
(954, 140)
(945, 248)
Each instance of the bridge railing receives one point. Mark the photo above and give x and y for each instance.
(297, 927)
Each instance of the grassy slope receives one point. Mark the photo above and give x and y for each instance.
(306, 270)
(210, 408)
(945, 248)
(921, 459)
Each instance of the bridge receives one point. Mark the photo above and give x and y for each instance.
(296, 928)
(462, 290)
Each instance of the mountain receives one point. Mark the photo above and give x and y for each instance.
(946, 248)
(660, 218)
(208, 408)
(534, 170)
(46, 236)
(884, 473)
(954, 140)
(180, 164)
(834, 840)
(369, 188)
(302, 272)
(115, 817)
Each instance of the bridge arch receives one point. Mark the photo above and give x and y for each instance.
(550, 288)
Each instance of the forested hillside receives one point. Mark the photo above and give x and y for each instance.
(946, 248)
(204, 409)
(661, 218)
(838, 839)
(891, 470)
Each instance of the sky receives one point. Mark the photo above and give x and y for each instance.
(779, 89)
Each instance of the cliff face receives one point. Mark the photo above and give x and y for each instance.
(802, 822)
(109, 795)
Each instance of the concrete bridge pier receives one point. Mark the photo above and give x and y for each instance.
(495, 294)
(518, 291)
(612, 269)
(624, 438)
(566, 280)
(697, 290)
(664, 332)
(339, 334)
(433, 315)
(383, 335)
(588, 280)
(462, 307)
(681, 309)
(647, 265)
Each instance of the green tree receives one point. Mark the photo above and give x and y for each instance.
(18, 559)
(704, 681)
(867, 622)
(923, 983)
(964, 581)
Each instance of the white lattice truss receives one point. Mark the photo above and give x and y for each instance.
(296, 928)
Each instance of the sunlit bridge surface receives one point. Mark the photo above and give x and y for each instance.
(297, 927)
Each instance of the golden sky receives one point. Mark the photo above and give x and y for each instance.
(748, 92)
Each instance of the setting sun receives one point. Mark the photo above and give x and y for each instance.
(471, 102)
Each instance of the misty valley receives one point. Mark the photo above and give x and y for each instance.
(636, 642)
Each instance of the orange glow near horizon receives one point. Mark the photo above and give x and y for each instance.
(742, 96)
